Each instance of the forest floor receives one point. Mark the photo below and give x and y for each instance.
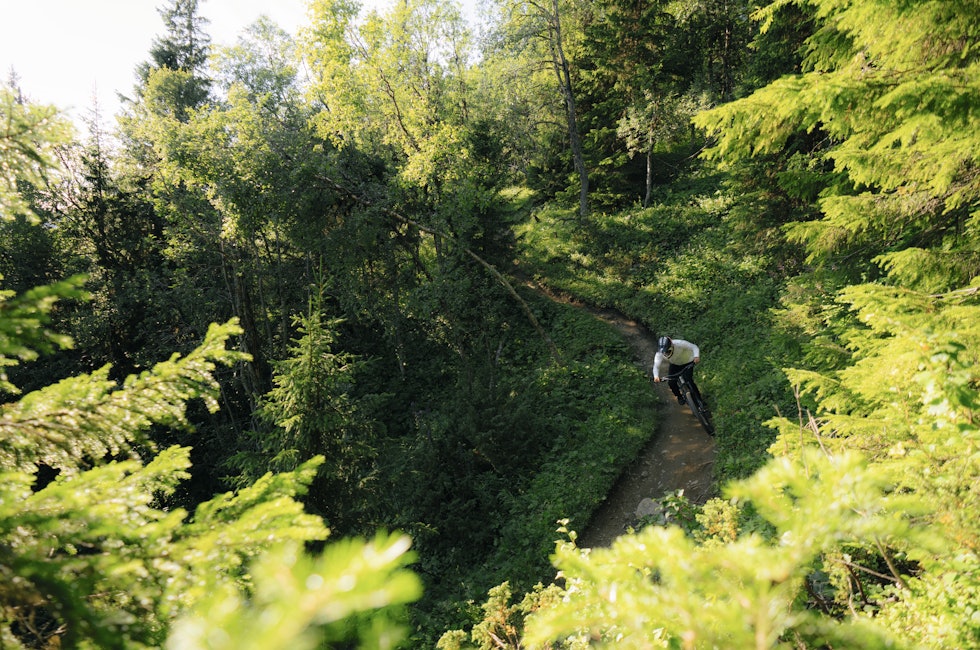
(679, 456)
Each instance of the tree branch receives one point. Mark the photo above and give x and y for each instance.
(555, 353)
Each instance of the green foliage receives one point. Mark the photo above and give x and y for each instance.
(503, 622)
(240, 186)
(91, 416)
(720, 521)
(715, 38)
(94, 555)
(892, 86)
(25, 325)
(90, 550)
(177, 62)
(92, 560)
(309, 403)
(600, 433)
(104, 225)
(508, 461)
(673, 508)
(909, 399)
(28, 257)
(29, 135)
(87, 552)
(518, 76)
(656, 122)
(354, 592)
(310, 412)
(779, 47)
(659, 588)
(263, 61)
(393, 81)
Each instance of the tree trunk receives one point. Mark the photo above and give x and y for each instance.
(565, 84)
(253, 373)
(649, 181)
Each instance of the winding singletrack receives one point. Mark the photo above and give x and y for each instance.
(680, 456)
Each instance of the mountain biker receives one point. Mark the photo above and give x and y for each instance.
(676, 354)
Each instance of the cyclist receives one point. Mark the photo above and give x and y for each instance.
(676, 354)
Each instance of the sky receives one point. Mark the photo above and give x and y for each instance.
(68, 52)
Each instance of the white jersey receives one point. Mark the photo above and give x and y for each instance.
(684, 352)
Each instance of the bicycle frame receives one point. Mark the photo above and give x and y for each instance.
(692, 395)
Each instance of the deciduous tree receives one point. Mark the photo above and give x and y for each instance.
(541, 35)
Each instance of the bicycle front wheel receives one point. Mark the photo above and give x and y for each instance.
(700, 410)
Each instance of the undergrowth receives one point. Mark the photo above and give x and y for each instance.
(604, 419)
(679, 268)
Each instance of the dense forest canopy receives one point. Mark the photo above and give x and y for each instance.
(274, 371)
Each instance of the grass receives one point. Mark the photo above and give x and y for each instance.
(679, 268)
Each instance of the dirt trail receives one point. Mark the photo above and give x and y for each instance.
(680, 456)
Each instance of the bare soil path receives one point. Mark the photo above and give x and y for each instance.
(680, 456)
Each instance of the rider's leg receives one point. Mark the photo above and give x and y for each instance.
(694, 387)
(672, 370)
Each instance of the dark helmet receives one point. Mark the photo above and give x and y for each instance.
(666, 346)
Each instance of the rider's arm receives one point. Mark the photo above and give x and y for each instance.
(657, 360)
(697, 353)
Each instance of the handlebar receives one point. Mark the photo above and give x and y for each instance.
(676, 375)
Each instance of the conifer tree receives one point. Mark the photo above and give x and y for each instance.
(861, 531)
(180, 55)
(108, 229)
(309, 412)
(893, 87)
(92, 553)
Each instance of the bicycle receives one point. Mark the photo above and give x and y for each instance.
(691, 394)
